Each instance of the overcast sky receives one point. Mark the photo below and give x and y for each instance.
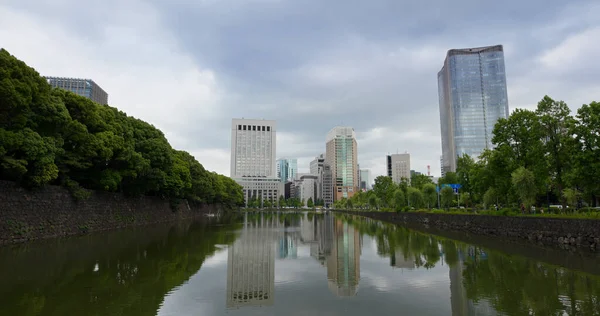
(189, 67)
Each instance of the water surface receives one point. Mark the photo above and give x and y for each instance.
(287, 264)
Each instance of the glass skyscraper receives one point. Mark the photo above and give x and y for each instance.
(341, 153)
(472, 97)
(83, 87)
(287, 169)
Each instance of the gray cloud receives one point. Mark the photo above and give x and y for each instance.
(312, 65)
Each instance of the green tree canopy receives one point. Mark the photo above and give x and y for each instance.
(52, 136)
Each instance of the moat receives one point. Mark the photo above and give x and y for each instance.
(287, 264)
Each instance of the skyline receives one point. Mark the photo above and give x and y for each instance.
(203, 79)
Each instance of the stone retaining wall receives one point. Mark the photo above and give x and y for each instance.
(563, 233)
(52, 212)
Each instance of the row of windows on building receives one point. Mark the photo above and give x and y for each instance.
(254, 128)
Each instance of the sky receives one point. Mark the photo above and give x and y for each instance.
(189, 67)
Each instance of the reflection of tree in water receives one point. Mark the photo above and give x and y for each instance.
(511, 284)
(134, 272)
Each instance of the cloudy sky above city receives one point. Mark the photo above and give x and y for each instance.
(189, 67)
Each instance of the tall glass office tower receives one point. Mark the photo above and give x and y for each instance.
(472, 96)
(341, 153)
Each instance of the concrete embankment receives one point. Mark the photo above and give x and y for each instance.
(52, 212)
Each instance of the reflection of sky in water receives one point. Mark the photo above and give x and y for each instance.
(301, 287)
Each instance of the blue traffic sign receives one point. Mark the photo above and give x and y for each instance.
(454, 186)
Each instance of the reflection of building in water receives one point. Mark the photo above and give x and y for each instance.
(324, 235)
(461, 304)
(397, 260)
(343, 264)
(251, 265)
(308, 230)
(287, 247)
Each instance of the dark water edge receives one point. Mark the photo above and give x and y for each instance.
(568, 234)
(582, 260)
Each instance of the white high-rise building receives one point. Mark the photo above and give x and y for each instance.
(398, 167)
(253, 144)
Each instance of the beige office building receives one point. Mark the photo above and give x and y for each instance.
(398, 167)
(253, 144)
(341, 153)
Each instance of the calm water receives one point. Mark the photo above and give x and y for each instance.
(289, 264)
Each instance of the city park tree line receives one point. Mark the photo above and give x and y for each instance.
(52, 136)
(540, 157)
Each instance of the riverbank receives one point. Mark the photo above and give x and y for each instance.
(52, 212)
(562, 233)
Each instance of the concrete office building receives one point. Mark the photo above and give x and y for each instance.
(308, 188)
(317, 164)
(287, 169)
(83, 87)
(398, 167)
(253, 145)
(327, 187)
(472, 98)
(316, 168)
(443, 171)
(341, 153)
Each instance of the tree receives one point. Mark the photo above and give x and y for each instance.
(556, 123)
(518, 142)
(490, 197)
(399, 200)
(281, 201)
(429, 194)
(349, 204)
(446, 196)
(415, 197)
(384, 189)
(465, 166)
(449, 178)
(267, 203)
(586, 166)
(374, 202)
(310, 203)
(571, 196)
(523, 182)
(419, 181)
(53, 136)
